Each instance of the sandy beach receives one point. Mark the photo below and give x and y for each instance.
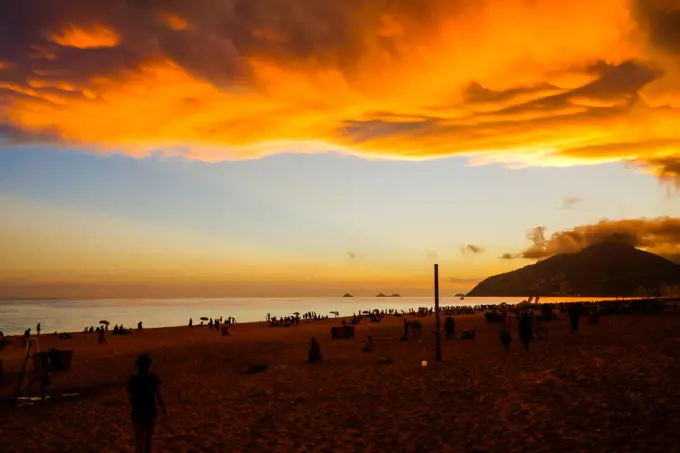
(613, 387)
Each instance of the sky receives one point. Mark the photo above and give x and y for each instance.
(298, 148)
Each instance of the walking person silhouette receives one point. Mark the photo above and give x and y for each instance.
(144, 393)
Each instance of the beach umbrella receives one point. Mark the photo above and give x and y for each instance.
(104, 322)
(204, 318)
(297, 313)
(366, 312)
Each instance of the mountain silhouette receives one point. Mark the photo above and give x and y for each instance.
(607, 269)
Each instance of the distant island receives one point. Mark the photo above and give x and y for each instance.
(384, 295)
(607, 269)
(459, 295)
(348, 295)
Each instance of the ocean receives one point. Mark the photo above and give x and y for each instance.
(72, 315)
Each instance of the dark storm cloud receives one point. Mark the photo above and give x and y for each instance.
(662, 20)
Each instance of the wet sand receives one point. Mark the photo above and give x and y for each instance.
(613, 387)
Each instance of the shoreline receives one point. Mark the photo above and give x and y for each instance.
(477, 308)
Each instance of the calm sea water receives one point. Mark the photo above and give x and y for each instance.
(72, 315)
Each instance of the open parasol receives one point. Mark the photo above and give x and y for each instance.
(297, 313)
(204, 318)
(104, 322)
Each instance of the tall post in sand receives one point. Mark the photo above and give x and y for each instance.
(436, 312)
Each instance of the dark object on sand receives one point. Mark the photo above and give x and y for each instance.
(254, 369)
(574, 316)
(547, 313)
(64, 336)
(122, 332)
(368, 347)
(492, 317)
(42, 366)
(594, 318)
(4, 342)
(314, 351)
(342, 332)
(506, 339)
(450, 328)
(224, 329)
(526, 330)
(468, 334)
(60, 360)
(416, 329)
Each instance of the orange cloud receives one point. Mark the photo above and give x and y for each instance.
(84, 38)
(660, 235)
(498, 80)
(173, 21)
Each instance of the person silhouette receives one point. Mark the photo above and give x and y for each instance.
(314, 351)
(450, 328)
(526, 330)
(144, 394)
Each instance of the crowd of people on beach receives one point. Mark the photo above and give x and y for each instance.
(144, 387)
(294, 319)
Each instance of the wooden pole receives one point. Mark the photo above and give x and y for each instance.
(436, 312)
